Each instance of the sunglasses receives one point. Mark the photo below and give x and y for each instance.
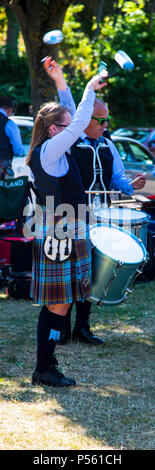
(61, 125)
(102, 120)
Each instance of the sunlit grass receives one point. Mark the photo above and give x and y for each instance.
(111, 406)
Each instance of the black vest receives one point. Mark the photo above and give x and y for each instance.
(67, 189)
(84, 160)
(6, 152)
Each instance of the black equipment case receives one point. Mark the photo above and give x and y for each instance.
(15, 249)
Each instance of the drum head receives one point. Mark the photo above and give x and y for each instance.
(117, 244)
(121, 215)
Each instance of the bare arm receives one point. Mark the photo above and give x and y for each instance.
(55, 72)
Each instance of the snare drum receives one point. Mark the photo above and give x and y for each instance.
(117, 259)
(133, 220)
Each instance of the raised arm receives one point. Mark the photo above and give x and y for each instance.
(61, 142)
(55, 72)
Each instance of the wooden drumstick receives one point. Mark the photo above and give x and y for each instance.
(137, 178)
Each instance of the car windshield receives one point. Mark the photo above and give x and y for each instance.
(140, 155)
(138, 134)
(152, 137)
(26, 134)
(131, 152)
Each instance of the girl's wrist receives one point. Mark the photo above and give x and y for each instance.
(61, 84)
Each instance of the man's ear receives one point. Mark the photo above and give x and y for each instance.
(9, 111)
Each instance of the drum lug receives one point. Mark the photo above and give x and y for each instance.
(138, 271)
(100, 302)
(119, 263)
(129, 291)
(105, 292)
(114, 274)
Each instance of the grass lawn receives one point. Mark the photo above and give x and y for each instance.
(112, 405)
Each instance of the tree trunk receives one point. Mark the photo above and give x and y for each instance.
(35, 19)
(99, 8)
(152, 11)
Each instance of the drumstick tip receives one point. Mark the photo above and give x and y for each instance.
(137, 178)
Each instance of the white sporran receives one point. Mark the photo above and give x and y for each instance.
(58, 250)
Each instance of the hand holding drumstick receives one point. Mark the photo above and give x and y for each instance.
(139, 181)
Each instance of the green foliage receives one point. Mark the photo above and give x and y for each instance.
(76, 52)
(3, 22)
(14, 81)
(130, 96)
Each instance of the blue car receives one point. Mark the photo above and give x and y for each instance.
(136, 159)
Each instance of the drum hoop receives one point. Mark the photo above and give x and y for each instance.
(132, 236)
(107, 302)
(125, 221)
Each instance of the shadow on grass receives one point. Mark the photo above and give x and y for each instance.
(113, 399)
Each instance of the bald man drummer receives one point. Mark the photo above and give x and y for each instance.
(114, 178)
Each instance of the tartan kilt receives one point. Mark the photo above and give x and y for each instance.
(65, 282)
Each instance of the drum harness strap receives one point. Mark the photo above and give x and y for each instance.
(96, 171)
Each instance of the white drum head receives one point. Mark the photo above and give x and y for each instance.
(121, 215)
(116, 244)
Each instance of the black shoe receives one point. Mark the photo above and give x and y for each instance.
(85, 335)
(52, 376)
(65, 336)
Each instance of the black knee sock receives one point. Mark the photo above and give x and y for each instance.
(82, 314)
(67, 319)
(48, 333)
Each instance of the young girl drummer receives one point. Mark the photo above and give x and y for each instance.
(58, 281)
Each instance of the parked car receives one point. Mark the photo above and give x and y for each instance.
(136, 159)
(145, 136)
(25, 124)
